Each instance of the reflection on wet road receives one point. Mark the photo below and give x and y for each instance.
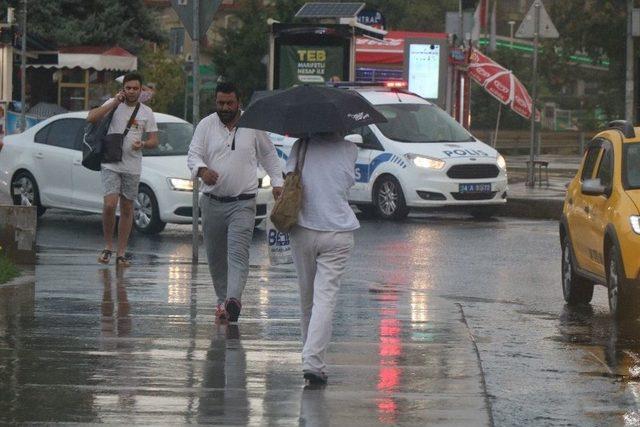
(95, 344)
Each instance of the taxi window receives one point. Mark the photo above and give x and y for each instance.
(630, 168)
(605, 170)
(590, 161)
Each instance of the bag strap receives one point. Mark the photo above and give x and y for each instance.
(131, 119)
(300, 160)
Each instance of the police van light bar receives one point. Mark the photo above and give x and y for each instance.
(395, 84)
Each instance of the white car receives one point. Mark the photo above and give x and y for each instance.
(420, 158)
(42, 167)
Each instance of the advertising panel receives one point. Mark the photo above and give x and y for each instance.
(426, 62)
(300, 64)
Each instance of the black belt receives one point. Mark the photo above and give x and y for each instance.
(227, 199)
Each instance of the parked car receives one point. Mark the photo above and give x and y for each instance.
(600, 225)
(42, 167)
(420, 158)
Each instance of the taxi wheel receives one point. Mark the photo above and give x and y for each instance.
(388, 199)
(622, 302)
(575, 289)
(25, 192)
(146, 215)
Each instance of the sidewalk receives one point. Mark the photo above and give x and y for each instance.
(97, 344)
(541, 201)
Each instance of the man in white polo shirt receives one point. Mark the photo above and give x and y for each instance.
(226, 160)
(120, 179)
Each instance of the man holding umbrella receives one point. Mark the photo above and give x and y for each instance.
(225, 158)
(322, 240)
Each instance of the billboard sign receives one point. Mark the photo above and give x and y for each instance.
(426, 63)
(308, 64)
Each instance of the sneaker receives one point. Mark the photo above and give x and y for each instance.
(315, 378)
(232, 307)
(221, 313)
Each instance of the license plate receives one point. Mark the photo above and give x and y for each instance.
(475, 188)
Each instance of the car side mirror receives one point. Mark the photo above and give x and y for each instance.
(356, 138)
(593, 187)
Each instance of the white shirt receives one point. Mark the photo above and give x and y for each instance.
(327, 175)
(144, 122)
(212, 147)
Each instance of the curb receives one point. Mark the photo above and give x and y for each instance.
(19, 281)
(533, 208)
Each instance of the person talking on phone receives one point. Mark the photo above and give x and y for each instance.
(120, 179)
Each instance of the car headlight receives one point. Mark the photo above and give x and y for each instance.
(425, 162)
(502, 163)
(266, 182)
(635, 223)
(180, 184)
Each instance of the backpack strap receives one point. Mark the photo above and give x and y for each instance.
(131, 119)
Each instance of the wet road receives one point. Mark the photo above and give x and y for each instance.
(441, 321)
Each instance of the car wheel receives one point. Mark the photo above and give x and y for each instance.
(25, 192)
(484, 212)
(146, 215)
(575, 289)
(622, 301)
(388, 199)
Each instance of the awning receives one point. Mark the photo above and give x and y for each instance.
(389, 51)
(98, 58)
(94, 57)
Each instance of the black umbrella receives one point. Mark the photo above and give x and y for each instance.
(302, 110)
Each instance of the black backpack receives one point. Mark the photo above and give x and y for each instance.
(92, 142)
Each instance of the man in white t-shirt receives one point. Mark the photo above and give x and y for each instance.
(120, 179)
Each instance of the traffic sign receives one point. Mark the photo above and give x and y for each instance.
(546, 29)
(206, 11)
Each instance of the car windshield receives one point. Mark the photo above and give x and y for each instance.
(173, 140)
(420, 123)
(631, 162)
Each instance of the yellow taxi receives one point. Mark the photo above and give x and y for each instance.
(600, 225)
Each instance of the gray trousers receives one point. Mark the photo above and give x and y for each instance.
(228, 230)
(320, 258)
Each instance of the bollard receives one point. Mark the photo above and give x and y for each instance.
(18, 233)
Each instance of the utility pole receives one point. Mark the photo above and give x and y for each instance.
(628, 99)
(23, 68)
(534, 94)
(195, 73)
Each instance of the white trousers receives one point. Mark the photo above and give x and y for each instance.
(320, 258)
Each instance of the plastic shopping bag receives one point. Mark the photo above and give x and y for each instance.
(278, 242)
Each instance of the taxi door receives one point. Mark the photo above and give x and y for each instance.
(580, 205)
(598, 210)
(370, 147)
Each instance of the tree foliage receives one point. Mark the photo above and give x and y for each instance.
(168, 76)
(90, 22)
(240, 56)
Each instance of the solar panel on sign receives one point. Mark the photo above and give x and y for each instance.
(329, 10)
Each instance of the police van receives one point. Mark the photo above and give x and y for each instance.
(420, 158)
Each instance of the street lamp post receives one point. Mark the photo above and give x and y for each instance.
(23, 68)
(511, 24)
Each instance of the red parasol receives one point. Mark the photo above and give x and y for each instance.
(500, 83)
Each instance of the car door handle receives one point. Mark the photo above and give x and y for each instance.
(77, 162)
(39, 156)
